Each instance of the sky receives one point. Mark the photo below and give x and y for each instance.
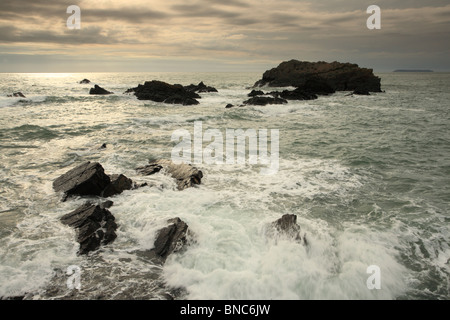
(220, 35)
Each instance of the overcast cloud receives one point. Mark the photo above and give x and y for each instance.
(214, 35)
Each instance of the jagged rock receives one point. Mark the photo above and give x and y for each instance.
(228, 106)
(84, 81)
(99, 90)
(340, 76)
(262, 101)
(255, 93)
(17, 95)
(86, 179)
(287, 227)
(201, 87)
(90, 179)
(119, 183)
(159, 91)
(171, 238)
(185, 175)
(95, 226)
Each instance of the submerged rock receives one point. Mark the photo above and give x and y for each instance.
(287, 227)
(159, 91)
(185, 175)
(84, 81)
(99, 90)
(17, 95)
(95, 226)
(340, 76)
(262, 101)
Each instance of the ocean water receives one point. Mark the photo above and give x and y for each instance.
(367, 176)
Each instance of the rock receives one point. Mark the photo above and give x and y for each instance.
(262, 101)
(287, 227)
(228, 106)
(170, 239)
(106, 204)
(159, 91)
(119, 183)
(201, 87)
(178, 99)
(17, 95)
(298, 94)
(340, 76)
(86, 179)
(185, 175)
(84, 81)
(362, 92)
(95, 226)
(255, 93)
(103, 146)
(99, 90)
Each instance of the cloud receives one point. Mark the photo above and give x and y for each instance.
(214, 29)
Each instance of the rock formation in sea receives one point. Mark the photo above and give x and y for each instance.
(262, 101)
(99, 90)
(286, 227)
(185, 175)
(90, 179)
(339, 76)
(84, 81)
(17, 95)
(159, 91)
(94, 224)
(200, 88)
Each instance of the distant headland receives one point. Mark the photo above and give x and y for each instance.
(413, 70)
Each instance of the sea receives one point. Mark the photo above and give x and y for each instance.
(368, 178)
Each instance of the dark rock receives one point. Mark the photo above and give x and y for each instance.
(171, 238)
(84, 81)
(178, 99)
(159, 91)
(286, 227)
(107, 204)
(201, 87)
(103, 146)
(255, 93)
(17, 95)
(87, 179)
(119, 183)
(361, 92)
(262, 101)
(95, 226)
(185, 175)
(318, 86)
(228, 106)
(340, 76)
(298, 94)
(99, 90)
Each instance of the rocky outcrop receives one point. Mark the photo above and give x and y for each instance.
(94, 224)
(85, 81)
(339, 76)
(185, 175)
(90, 179)
(159, 91)
(99, 90)
(262, 101)
(200, 88)
(298, 94)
